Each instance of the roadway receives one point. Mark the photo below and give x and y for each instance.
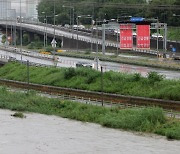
(47, 60)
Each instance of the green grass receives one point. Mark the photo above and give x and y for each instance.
(154, 86)
(150, 120)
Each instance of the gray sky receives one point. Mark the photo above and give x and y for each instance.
(15, 4)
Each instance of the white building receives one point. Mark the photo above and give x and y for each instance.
(26, 7)
(5, 7)
(31, 9)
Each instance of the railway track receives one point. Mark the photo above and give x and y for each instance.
(99, 96)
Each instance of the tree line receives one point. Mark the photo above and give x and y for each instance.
(164, 10)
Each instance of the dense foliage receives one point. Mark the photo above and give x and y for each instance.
(154, 86)
(108, 9)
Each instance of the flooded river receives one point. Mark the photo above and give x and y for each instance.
(42, 134)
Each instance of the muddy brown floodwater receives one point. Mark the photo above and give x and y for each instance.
(42, 134)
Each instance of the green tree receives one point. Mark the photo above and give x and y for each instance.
(106, 9)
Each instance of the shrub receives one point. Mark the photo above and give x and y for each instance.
(18, 115)
(154, 77)
(136, 77)
(69, 73)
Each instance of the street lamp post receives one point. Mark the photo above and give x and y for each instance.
(91, 33)
(13, 28)
(44, 32)
(77, 34)
(117, 39)
(6, 43)
(54, 40)
(71, 7)
(54, 36)
(97, 34)
(54, 29)
(86, 16)
(20, 32)
(6, 31)
(7, 16)
(97, 37)
(44, 28)
(157, 35)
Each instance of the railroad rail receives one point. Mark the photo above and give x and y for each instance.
(99, 96)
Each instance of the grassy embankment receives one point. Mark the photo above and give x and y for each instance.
(150, 120)
(154, 86)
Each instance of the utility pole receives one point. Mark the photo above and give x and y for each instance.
(96, 38)
(165, 37)
(117, 39)
(157, 36)
(6, 43)
(44, 28)
(54, 28)
(102, 86)
(28, 72)
(71, 20)
(91, 33)
(46, 31)
(15, 31)
(77, 45)
(20, 32)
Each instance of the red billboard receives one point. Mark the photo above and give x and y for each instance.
(126, 38)
(143, 36)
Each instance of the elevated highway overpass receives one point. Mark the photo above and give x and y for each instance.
(76, 39)
(84, 39)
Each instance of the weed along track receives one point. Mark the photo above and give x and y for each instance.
(99, 96)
